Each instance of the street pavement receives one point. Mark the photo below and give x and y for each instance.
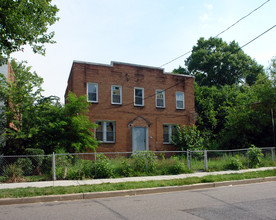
(242, 202)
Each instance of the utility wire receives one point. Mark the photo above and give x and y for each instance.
(242, 18)
(258, 36)
(131, 103)
(218, 33)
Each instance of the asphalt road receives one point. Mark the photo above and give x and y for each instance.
(252, 201)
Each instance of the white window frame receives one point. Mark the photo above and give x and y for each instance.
(104, 131)
(170, 126)
(142, 96)
(163, 93)
(121, 97)
(183, 99)
(97, 92)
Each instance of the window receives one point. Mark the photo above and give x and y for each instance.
(160, 98)
(116, 95)
(139, 96)
(92, 92)
(180, 104)
(168, 131)
(105, 131)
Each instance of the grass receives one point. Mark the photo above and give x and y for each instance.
(31, 192)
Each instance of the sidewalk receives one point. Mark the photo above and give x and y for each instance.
(119, 180)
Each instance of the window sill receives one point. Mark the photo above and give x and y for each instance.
(116, 103)
(159, 107)
(107, 142)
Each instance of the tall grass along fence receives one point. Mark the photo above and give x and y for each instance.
(124, 164)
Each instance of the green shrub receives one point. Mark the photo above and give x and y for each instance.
(75, 173)
(88, 168)
(13, 173)
(234, 163)
(36, 160)
(144, 161)
(125, 168)
(26, 165)
(178, 167)
(254, 155)
(103, 167)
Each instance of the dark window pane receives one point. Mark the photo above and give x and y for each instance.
(138, 92)
(166, 138)
(138, 101)
(110, 136)
(99, 135)
(160, 103)
(116, 99)
(92, 96)
(180, 104)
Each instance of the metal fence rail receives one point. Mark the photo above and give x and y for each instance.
(59, 166)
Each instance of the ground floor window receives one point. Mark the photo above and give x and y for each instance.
(168, 131)
(105, 131)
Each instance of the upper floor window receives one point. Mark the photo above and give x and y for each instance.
(116, 94)
(92, 92)
(139, 96)
(105, 131)
(160, 98)
(168, 131)
(180, 102)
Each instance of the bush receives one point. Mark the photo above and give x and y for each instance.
(144, 161)
(36, 160)
(75, 173)
(235, 163)
(254, 155)
(13, 173)
(177, 167)
(103, 167)
(125, 168)
(26, 165)
(88, 168)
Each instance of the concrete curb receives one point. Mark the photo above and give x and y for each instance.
(97, 195)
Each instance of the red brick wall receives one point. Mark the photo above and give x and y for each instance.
(129, 76)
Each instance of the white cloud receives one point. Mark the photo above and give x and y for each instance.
(205, 17)
(209, 6)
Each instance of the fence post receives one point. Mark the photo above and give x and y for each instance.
(54, 166)
(205, 160)
(188, 163)
(95, 159)
(248, 158)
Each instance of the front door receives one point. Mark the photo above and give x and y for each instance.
(139, 139)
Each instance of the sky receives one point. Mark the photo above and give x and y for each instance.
(147, 32)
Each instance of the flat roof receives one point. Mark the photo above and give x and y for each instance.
(131, 64)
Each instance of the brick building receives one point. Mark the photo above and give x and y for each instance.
(135, 107)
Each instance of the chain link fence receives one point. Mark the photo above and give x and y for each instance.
(120, 164)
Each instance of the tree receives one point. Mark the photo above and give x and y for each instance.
(187, 138)
(249, 121)
(39, 122)
(25, 22)
(214, 62)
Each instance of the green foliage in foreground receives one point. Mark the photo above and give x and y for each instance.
(40, 122)
(31, 192)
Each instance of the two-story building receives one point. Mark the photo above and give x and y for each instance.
(135, 107)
